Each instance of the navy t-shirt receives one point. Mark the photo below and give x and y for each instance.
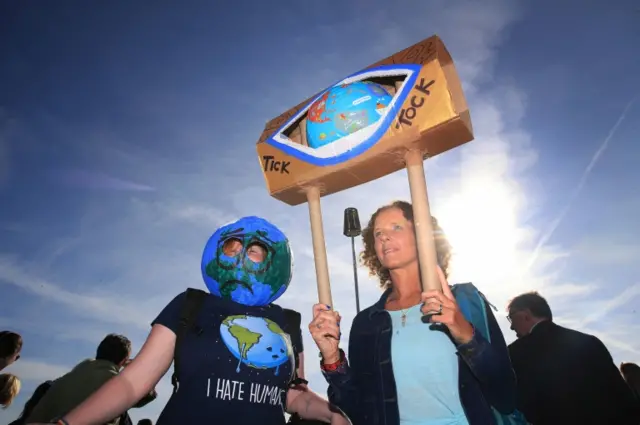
(236, 371)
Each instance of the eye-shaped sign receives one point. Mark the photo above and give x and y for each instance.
(358, 129)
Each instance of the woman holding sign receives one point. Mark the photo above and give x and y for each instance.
(400, 370)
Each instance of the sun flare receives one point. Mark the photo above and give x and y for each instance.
(481, 223)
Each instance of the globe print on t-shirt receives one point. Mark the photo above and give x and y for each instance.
(256, 341)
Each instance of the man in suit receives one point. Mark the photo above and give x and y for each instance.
(565, 377)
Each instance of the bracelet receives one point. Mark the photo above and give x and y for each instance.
(333, 366)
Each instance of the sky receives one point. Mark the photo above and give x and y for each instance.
(127, 136)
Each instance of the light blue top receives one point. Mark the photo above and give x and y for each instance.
(425, 366)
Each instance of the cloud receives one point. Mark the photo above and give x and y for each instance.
(99, 305)
(604, 309)
(201, 215)
(38, 371)
(606, 251)
(569, 290)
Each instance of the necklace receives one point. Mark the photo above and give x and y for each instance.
(403, 318)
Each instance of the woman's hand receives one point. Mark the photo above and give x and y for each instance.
(325, 331)
(450, 314)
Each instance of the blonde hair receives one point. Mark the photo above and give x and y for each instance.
(9, 389)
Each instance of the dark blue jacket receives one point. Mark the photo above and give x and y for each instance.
(365, 388)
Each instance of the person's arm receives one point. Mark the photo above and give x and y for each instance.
(309, 405)
(135, 381)
(490, 363)
(146, 399)
(343, 389)
(325, 331)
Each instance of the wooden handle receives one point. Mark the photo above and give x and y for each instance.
(319, 247)
(422, 221)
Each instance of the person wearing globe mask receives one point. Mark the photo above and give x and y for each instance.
(234, 362)
(401, 371)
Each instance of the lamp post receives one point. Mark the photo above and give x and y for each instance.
(352, 229)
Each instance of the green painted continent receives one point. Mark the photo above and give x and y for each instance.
(280, 270)
(229, 320)
(273, 327)
(246, 339)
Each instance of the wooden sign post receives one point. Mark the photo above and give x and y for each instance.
(319, 246)
(421, 112)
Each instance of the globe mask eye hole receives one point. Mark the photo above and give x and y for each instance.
(231, 252)
(258, 256)
(256, 252)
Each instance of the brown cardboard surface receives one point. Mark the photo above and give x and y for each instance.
(440, 121)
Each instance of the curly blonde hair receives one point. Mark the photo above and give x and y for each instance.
(369, 258)
(9, 389)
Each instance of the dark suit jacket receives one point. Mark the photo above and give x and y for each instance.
(566, 377)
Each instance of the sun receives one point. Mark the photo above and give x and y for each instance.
(480, 222)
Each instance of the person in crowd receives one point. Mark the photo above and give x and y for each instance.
(32, 402)
(10, 347)
(564, 376)
(631, 374)
(233, 359)
(83, 380)
(401, 370)
(9, 389)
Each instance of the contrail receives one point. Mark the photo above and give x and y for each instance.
(583, 179)
(96, 180)
(608, 306)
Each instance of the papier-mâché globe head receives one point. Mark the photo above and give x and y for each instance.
(236, 276)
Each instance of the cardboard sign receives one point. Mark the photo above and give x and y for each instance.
(423, 107)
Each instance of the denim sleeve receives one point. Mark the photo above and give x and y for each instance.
(490, 364)
(343, 390)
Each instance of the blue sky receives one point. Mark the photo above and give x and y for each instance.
(127, 135)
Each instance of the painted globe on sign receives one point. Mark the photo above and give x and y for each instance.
(238, 278)
(345, 109)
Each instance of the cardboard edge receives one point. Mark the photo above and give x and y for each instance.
(295, 195)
